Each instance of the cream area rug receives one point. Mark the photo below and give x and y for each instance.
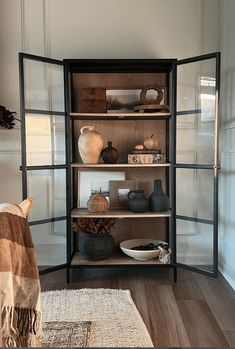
(92, 318)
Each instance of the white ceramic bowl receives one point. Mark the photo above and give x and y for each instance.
(127, 245)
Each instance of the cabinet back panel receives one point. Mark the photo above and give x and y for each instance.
(124, 134)
(139, 228)
(115, 81)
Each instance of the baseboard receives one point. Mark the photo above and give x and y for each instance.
(228, 280)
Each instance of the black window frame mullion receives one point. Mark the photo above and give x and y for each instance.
(68, 147)
(23, 132)
(45, 167)
(47, 220)
(44, 112)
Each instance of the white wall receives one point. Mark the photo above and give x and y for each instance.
(227, 178)
(10, 44)
(94, 29)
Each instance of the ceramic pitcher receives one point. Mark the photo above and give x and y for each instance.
(137, 201)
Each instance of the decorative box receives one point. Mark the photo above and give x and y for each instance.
(146, 158)
(92, 100)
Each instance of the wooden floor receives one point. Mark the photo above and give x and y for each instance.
(196, 311)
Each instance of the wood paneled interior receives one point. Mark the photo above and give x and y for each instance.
(197, 311)
(101, 166)
(117, 213)
(123, 115)
(115, 81)
(153, 228)
(118, 258)
(124, 135)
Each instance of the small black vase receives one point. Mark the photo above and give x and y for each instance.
(110, 154)
(95, 247)
(158, 200)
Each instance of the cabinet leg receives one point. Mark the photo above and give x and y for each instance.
(175, 273)
(68, 275)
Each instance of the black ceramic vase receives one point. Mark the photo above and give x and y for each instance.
(95, 247)
(158, 200)
(137, 201)
(110, 154)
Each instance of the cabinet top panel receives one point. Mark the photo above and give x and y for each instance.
(119, 65)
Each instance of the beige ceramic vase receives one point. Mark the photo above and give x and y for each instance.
(90, 145)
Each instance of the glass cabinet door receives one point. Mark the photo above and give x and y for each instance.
(44, 159)
(195, 164)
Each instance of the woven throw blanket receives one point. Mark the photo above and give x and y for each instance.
(20, 320)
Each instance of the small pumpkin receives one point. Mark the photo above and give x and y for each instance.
(97, 203)
(151, 143)
(139, 147)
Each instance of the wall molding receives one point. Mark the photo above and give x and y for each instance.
(228, 153)
(5, 130)
(25, 29)
(22, 24)
(7, 152)
(227, 277)
(229, 127)
(201, 24)
(47, 28)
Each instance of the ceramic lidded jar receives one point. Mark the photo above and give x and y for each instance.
(137, 201)
(110, 154)
(90, 145)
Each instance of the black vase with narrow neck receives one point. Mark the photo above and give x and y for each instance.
(158, 200)
(110, 154)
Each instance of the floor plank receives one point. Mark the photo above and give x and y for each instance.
(230, 337)
(219, 300)
(187, 290)
(140, 299)
(201, 326)
(167, 327)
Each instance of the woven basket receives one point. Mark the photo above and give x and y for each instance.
(97, 204)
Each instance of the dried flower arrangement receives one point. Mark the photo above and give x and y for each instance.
(7, 118)
(95, 225)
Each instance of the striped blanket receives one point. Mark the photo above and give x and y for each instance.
(20, 314)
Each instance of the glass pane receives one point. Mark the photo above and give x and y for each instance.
(196, 96)
(48, 188)
(195, 244)
(194, 193)
(44, 86)
(50, 243)
(45, 139)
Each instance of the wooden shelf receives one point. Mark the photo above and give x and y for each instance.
(107, 116)
(117, 258)
(84, 213)
(97, 166)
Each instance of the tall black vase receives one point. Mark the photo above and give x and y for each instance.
(158, 200)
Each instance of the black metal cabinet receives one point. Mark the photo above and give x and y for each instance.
(191, 146)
